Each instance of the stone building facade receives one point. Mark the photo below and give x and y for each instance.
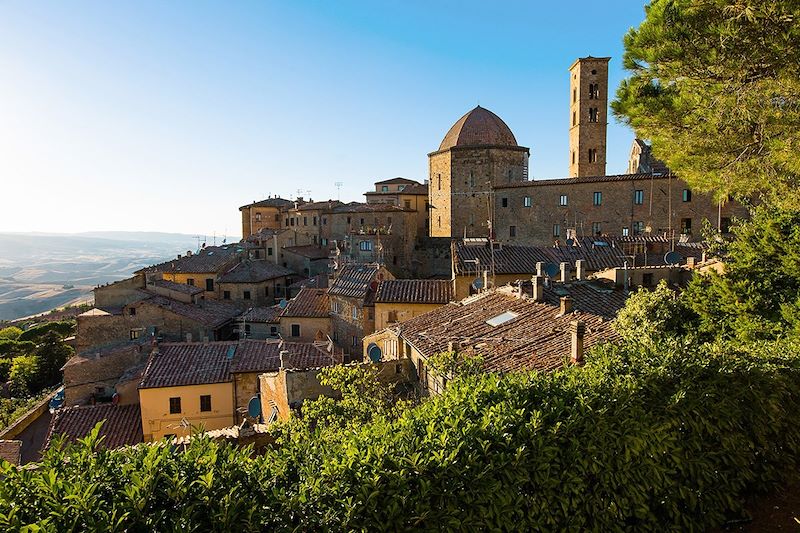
(588, 110)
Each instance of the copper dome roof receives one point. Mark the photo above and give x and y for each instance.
(479, 127)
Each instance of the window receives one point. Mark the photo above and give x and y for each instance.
(209, 284)
(269, 251)
(593, 114)
(226, 295)
(388, 221)
(597, 198)
(562, 200)
(596, 228)
(574, 95)
(205, 402)
(400, 188)
(287, 221)
(592, 155)
(391, 316)
(295, 330)
(510, 174)
(638, 227)
(247, 330)
(355, 340)
(132, 311)
(725, 225)
(471, 179)
(175, 405)
(594, 91)
(361, 221)
(315, 220)
(335, 307)
(422, 373)
(258, 217)
(257, 254)
(407, 204)
(512, 231)
(504, 202)
(439, 221)
(305, 221)
(365, 246)
(348, 220)
(573, 157)
(266, 290)
(526, 201)
(291, 221)
(686, 226)
(385, 188)
(136, 333)
(647, 279)
(439, 179)
(273, 330)
(638, 197)
(573, 118)
(190, 281)
(324, 221)
(246, 295)
(625, 231)
(354, 313)
(687, 195)
(556, 230)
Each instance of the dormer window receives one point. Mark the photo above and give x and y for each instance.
(502, 318)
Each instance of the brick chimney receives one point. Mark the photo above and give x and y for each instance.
(580, 269)
(691, 262)
(566, 305)
(283, 355)
(538, 288)
(540, 269)
(566, 274)
(577, 330)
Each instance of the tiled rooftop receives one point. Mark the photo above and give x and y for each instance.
(353, 280)
(212, 259)
(195, 363)
(122, 426)
(584, 179)
(210, 313)
(310, 251)
(528, 335)
(309, 303)
(320, 281)
(326, 205)
(269, 202)
(397, 181)
(423, 291)
(262, 315)
(177, 287)
(358, 207)
(250, 271)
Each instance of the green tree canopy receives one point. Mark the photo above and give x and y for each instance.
(715, 86)
(11, 333)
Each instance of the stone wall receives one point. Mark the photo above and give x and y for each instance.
(262, 294)
(662, 207)
(309, 327)
(98, 373)
(585, 134)
(120, 292)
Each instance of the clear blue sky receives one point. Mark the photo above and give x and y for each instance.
(167, 116)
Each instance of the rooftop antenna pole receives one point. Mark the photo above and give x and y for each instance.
(338, 185)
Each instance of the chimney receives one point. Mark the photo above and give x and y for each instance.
(451, 347)
(703, 258)
(179, 256)
(538, 288)
(284, 353)
(580, 269)
(565, 273)
(577, 330)
(188, 253)
(566, 305)
(690, 262)
(189, 337)
(539, 269)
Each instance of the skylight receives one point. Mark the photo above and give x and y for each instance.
(502, 318)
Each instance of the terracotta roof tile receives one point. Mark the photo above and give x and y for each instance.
(423, 291)
(177, 287)
(358, 207)
(263, 315)
(122, 426)
(583, 179)
(534, 338)
(210, 313)
(209, 259)
(353, 280)
(326, 205)
(478, 127)
(250, 271)
(269, 202)
(397, 180)
(310, 251)
(320, 281)
(309, 303)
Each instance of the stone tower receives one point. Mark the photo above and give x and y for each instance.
(588, 115)
(477, 154)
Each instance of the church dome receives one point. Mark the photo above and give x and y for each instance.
(479, 127)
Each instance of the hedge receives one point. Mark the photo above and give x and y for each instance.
(638, 439)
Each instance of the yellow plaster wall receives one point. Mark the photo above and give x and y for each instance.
(405, 311)
(158, 422)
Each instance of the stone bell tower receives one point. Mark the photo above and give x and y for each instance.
(588, 115)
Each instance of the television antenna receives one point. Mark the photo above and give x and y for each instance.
(338, 185)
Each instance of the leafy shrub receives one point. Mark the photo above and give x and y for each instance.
(11, 333)
(642, 438)
(5, 370)
(63, 329)
(24, 375)
(12, 348)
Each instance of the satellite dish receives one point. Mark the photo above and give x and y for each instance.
(477, 284)
(254, 407)
(551, 269)
(374, 352)
(283, 303)
(673, 258)
(570, 242)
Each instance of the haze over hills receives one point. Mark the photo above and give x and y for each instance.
(41, 271)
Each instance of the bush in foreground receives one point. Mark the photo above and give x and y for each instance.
(666, 439)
